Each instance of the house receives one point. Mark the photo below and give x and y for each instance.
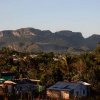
(24, 89)
(67, 90)
(8, 75)
(6, 88)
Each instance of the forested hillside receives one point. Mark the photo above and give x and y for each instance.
(31, 39)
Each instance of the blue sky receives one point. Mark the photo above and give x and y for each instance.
(76, 15)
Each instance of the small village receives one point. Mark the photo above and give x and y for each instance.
(44, 76)
(30, 89)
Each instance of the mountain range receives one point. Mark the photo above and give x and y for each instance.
(31, 39)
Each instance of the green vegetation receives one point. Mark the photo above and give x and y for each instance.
(50, 67)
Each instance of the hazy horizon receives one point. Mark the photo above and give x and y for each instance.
(54, 15)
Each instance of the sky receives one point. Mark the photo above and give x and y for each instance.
(55, 15)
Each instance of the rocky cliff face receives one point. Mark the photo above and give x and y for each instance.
(30, 39)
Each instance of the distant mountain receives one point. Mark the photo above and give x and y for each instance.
(31, 39)
(92, 41)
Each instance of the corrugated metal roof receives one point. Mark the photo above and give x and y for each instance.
(63, 86)
(68, 86)
(84, 83)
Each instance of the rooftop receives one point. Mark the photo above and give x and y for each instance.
(66, 85)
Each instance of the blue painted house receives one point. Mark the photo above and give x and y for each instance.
(67, 90)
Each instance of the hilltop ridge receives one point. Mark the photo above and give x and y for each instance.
(31, 39)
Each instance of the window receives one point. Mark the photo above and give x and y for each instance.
(83, 91)
(77, 93)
